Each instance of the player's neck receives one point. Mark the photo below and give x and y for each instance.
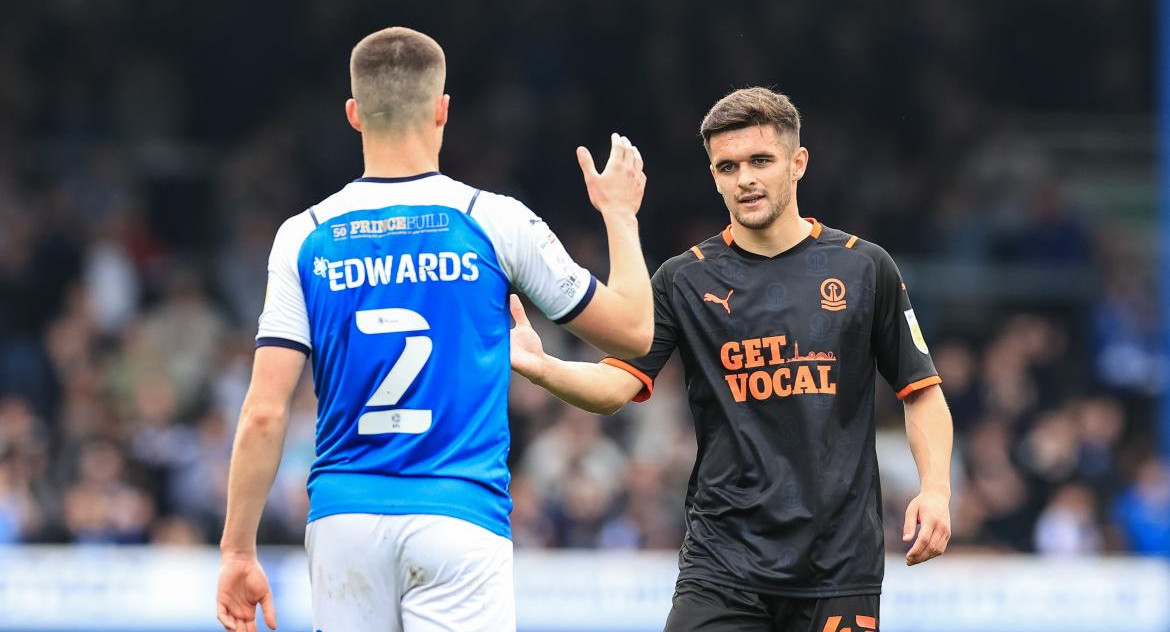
(786, 232)
(399, 156)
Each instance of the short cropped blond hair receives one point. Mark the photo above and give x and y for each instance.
(395, 75)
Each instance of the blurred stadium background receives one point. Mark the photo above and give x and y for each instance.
(1004, 152)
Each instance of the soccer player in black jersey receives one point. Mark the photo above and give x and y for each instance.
(781, 322)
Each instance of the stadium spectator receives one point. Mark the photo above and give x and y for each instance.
(1143, 509)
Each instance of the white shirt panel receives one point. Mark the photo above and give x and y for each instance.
(532, 256)
(285, 315)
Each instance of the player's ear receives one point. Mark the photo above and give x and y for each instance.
(799, 163)
(713, 177)
(442, 108)
(351, 114)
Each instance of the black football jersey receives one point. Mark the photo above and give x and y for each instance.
(779, 356)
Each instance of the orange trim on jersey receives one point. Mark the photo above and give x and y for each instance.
(698, 253)
(919, 385)
(816, 229)
(851, 242)
(647, 383)
(815, 233)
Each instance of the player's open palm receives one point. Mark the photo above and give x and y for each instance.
(527, 350)
(242, 585)
(619, 188)
(930, 511)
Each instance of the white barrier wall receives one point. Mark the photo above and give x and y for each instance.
(139, 589)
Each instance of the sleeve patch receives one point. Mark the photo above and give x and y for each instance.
(916, 332)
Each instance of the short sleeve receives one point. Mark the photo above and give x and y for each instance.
(647, 367)
(903, 358)
(534, 259)
(285, 319)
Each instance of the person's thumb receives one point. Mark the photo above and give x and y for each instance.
(911, 521)
(517, 309)
(585, 159)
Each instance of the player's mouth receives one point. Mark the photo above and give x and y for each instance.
(751, 200)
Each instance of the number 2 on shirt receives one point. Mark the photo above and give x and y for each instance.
(414, 356)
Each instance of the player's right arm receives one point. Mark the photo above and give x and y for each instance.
(283, 346)
(255, 459)
(596, 387)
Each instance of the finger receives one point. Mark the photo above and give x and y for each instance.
(910, 522)
(637, 158)
(226, 620)
(250, 625)
(933, 547)
(918, 551)
(617, 150)
(518, 314)
(628, 155)
(938, 543)
(585, 159)
(269, 607)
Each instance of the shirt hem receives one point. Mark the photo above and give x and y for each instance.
(275, 341)
(795, 592)
(581, 304)
(414, 510)
(333, 493)
(918, 385)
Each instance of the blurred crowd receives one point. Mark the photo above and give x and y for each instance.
(150, 148)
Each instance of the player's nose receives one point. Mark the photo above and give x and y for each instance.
(747, 180)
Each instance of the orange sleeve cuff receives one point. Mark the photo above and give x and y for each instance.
(647, 383)
(919, 385)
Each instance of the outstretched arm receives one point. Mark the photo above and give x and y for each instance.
(255, 459)
(598, 388)
(620, 318)
(929, 431)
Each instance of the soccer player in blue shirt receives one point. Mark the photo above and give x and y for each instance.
(396, 288)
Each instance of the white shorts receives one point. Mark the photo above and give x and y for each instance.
(411, 573)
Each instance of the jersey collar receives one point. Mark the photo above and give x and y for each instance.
(402, 179)
(814, 234)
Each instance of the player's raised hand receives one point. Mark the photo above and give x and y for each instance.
(527, 350)
(619, 188)
(930, 511)
(242, 585)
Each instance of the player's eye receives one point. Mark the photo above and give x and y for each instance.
(726, 168)
(759, 162)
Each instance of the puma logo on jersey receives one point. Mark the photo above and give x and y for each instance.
(711, 298)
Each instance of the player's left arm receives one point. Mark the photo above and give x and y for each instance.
(255, 458)
(929, 431)
(904, 360)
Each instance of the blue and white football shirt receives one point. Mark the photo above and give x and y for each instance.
(397, 288)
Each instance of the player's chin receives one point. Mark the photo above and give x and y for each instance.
(756, 219)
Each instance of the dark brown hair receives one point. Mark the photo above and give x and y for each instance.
(395, 74)
(752, 106)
